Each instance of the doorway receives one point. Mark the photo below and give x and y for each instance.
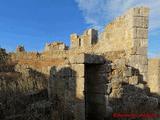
(94, 90)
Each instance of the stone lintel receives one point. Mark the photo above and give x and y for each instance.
(86, 59)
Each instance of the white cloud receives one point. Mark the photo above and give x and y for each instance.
(98, 12)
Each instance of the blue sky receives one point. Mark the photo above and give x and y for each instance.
(33, 23)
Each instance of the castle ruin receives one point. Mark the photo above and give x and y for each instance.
(95, 77)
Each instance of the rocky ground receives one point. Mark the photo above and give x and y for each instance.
(23, 92)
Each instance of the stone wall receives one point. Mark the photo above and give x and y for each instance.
(126, 32)
(126, 89)
(154, 75)
(87, 39)
(129, 33)
(95, 70)
(114, 81)
(138, 58)
(55, 46)
(41, 62)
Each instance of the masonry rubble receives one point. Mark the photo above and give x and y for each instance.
(96, 76)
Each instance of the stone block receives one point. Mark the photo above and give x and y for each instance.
(80, 88)
(116, 93)
(140, 43)
(141, 86)
(140, 22)
(60, 46)
(78, 70)
(142, 51)
(116, 84)
(74, 40)
(93, 36)
(125, 80)
(78, 59)
(143, 68)
(143, 42)
(128, 72)
(140, 11)
(144, 60)
(86, 59)
(91, 58)
(137, 60)
(133, 80)
(120, 62)
(109, 88)
(140, 33)
(145, 76)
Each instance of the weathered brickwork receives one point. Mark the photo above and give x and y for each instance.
(130, 33)
(96, 76)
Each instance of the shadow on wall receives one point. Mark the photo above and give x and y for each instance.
(127, 92)
(62, 94)
(131, 95)
(72, 95)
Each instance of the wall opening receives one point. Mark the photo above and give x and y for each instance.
(94, 92)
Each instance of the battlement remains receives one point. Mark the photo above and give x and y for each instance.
(87, 39)
(55, 46)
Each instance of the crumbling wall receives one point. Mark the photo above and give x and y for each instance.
(89, 38)
(126, 89)
(126, 32)
(138, 58)
(154, 75)
(38, 61)
(117, 35)
(129, 33)
(55, 46)
(67, 87)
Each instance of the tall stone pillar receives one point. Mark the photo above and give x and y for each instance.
(139, 27)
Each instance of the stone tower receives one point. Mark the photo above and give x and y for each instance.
(89, 38)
